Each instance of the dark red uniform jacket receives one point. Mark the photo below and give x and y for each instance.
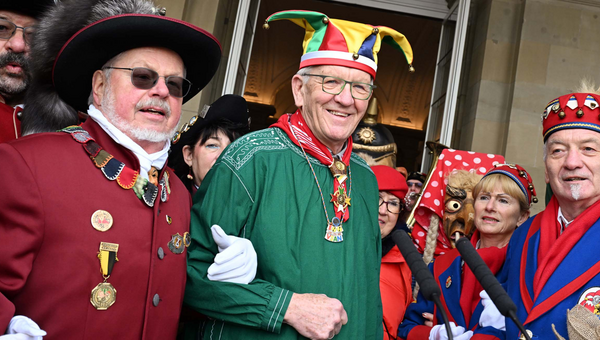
(10, 125)
(48, 247)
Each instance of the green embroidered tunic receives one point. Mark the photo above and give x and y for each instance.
(262, 189)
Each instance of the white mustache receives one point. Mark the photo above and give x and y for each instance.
(163, 104)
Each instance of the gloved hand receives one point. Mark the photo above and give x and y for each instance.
(491, 317)
(236, 261)
(438, 332)
(23, 328)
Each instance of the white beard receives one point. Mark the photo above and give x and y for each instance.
(135, 132)
(575, 188)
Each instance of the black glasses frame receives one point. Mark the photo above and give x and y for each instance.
(387, 206)
(172, 90)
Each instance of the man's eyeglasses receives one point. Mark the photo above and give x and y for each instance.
(8, 29)
(335, 86)
(145, 79)
(415, 184)
(393, 207)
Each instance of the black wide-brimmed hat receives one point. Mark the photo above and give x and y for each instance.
(32, 8)
(92, 46)
(230, 107)
(230, 113)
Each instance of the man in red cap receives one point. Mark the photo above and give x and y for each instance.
(551, 263)
(304, 200)
(17, 20)
(93, 224)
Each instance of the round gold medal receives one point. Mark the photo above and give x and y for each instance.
(103, 296)
(340, 165)
(102, 220)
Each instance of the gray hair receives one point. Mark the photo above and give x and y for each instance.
(107, 72)
(587, 85)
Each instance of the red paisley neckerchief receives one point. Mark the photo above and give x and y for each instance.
(295, 127)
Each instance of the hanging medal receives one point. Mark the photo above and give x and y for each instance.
(338, 167)
(104, 294)
(335, 232)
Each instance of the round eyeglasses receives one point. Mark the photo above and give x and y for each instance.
(8, 29)
(145, 79)
(335, 86)
(393, 207)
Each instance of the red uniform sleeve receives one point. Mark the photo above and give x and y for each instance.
(21, 227)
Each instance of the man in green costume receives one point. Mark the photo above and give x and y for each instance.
(304, 200)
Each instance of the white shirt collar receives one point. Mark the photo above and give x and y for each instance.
(562, 220)
(157, 159)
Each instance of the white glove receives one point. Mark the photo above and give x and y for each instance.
(236, 261)
(23, 328)
(438, 332)
(491, 315)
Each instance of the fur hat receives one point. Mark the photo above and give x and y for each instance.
(32, 8)
(67, 49)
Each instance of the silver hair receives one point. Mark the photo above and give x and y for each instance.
(107, 72)
(545, 151)
(587, 85)
(303, 71)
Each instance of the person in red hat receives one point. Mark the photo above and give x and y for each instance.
(552, 259)
(395, 278)
(303, 199)
(93, 224)
(17, 24)
(502, 201)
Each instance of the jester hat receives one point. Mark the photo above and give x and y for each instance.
(342, 43)
(572, 111)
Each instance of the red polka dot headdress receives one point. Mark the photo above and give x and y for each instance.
(432, 201)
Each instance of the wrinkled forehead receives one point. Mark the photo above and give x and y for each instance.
(151, 57)
(346, 73)
(576, 136)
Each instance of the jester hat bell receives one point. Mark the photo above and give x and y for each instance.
(342, 43)
(572, 111)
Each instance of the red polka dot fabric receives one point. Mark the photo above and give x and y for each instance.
(432, 201)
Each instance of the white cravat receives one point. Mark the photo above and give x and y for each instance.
(562, 220)
(157, 159)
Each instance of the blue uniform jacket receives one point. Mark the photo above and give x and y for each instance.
(576, 280)
(447, 271)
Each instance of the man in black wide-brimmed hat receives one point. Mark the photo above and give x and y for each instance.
(93, 225)
(17, 20)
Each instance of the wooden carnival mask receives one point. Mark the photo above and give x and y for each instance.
(458, 205)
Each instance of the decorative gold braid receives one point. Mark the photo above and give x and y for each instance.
(380, 148)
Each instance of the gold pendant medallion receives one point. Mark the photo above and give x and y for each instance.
(103, 296)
